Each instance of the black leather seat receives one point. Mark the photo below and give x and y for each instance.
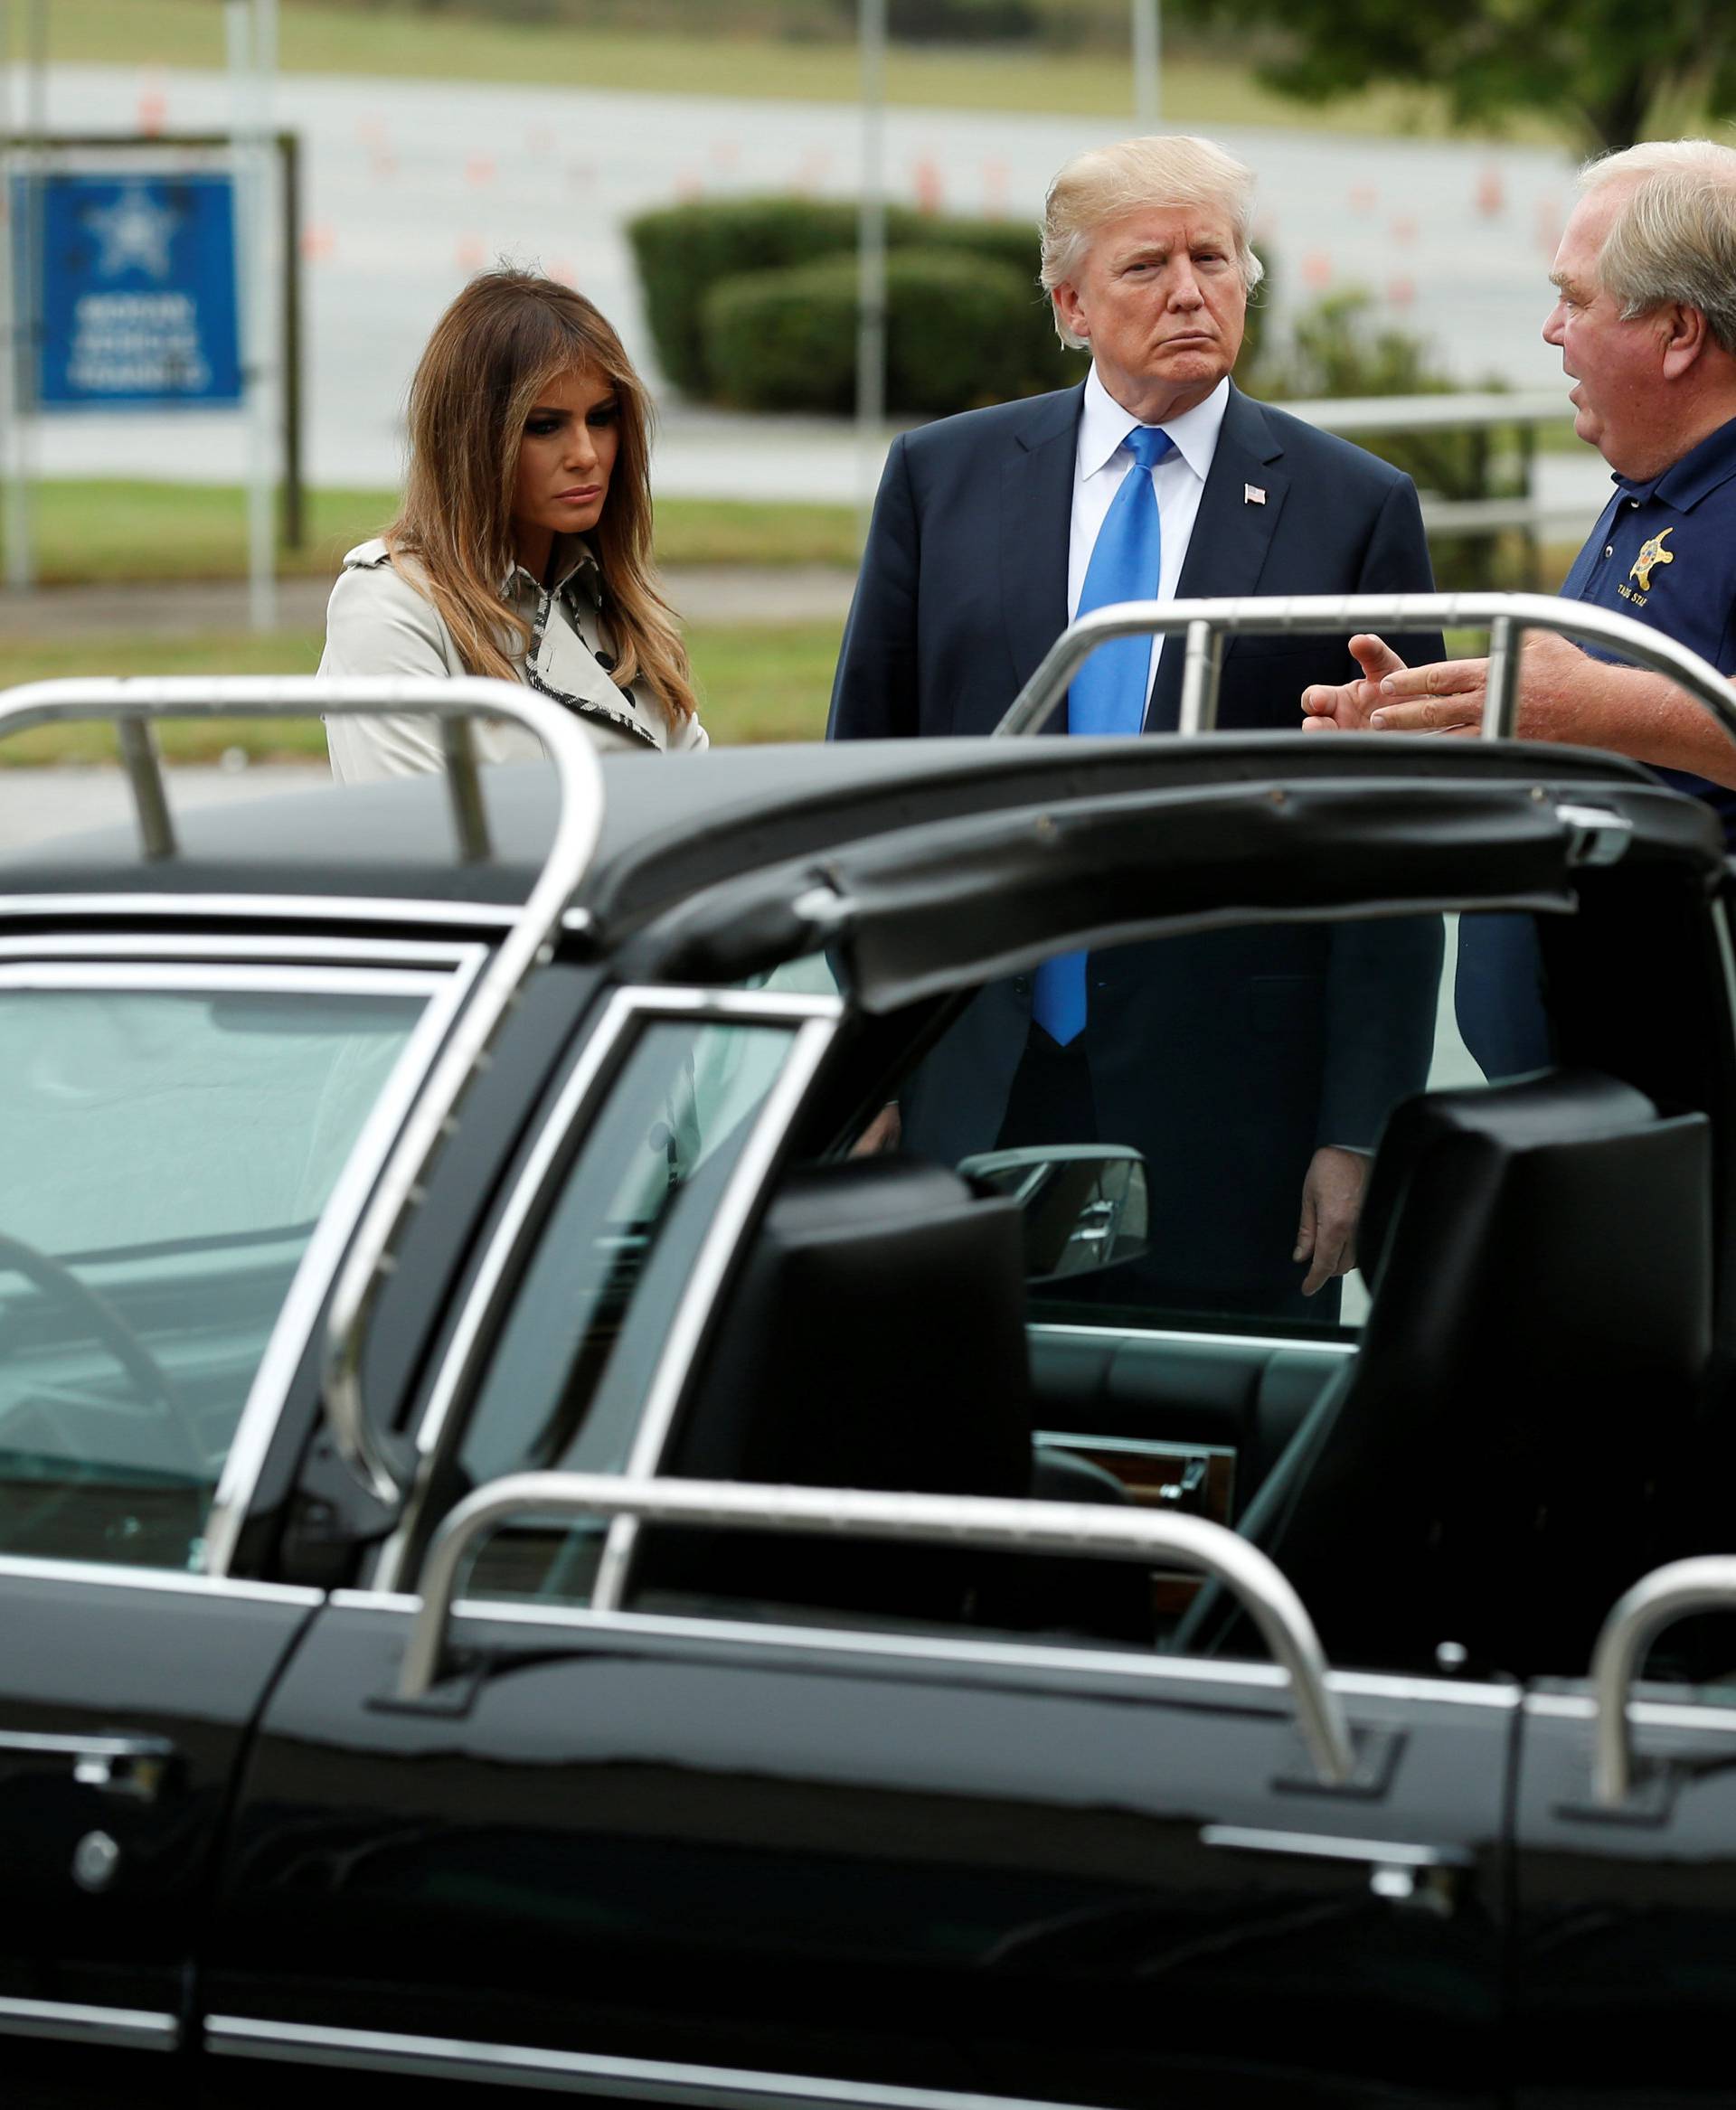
(1505, 1452)
(877, 1340)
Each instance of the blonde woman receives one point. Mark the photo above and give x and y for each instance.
(522, 549)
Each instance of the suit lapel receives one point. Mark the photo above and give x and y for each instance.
(1035, 531)
(1231, 533)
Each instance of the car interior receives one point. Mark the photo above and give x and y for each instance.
(1511, 1420)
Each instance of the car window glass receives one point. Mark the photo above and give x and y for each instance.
(164, 1156)
(565, 1382)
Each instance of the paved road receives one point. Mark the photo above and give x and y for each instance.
(411, 186)
(36, 805)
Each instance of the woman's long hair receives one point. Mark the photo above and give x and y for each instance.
(507, 336)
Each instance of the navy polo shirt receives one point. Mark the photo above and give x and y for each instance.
(1664, 554)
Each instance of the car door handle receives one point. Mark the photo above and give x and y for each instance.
(1424, 1878)
(134, 1769)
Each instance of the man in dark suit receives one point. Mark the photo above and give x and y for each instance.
(1251, 1067)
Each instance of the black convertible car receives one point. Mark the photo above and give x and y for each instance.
(529, 1560)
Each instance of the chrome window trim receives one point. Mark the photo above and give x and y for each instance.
(313, 950)
(1273, 1343)
(191, 977)
(136, 2028)
(443, 992)
(598, 1060)
(938, 1649)
(327, 909)
(687, 1322)
(1726, 960)
(37, 1568)
(527, 2065)
(953, 1520)
(317, 1268)
(1719, 1715)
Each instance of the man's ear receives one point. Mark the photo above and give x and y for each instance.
(1067, 307)
(1684, 335)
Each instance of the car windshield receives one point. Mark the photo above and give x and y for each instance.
(168, 1142)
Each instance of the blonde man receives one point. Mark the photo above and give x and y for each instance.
(1156, 477)
(1645, 318)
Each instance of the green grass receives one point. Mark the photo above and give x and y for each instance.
(396, 41)
(738, 531)
(766, 683)
(105, 532)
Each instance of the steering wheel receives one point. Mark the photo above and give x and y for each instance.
(93, 1311)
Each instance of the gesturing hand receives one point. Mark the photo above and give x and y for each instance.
(1348, 706)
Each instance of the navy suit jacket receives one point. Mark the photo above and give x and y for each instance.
(1227, 1059)
(964, 581)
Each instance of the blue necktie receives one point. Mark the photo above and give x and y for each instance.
(1109, 691)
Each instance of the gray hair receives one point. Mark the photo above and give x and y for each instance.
(1105, 181)
(1674, 235)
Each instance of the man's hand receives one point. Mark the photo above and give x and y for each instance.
(1332, 1200)
(1347, 707)
(883, 1133)
(1448, 697)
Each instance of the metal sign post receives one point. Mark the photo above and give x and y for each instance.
(251, 30)
(1147, 62)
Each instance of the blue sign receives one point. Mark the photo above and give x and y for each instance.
(137, 287)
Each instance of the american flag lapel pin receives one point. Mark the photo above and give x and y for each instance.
(1253, 495)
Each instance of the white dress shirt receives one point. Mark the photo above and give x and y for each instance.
(1103, 459)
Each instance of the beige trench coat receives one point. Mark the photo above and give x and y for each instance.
(377, 623)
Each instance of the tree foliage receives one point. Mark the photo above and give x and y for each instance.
(1608, 67)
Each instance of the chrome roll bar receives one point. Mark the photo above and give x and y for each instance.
(968, 1520)
(1676, 1591)
(133, 705)
(1505, 615)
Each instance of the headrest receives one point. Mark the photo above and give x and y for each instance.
(876, 1339)
(1551, 1107)
(1556, 1211)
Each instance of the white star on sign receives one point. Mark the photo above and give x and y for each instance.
(135, 233)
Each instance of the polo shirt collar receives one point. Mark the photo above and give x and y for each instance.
(1103, 425)
(1700, 471)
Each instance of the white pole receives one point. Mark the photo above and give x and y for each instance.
(1147, 63)
(871, 259)
(251, 31)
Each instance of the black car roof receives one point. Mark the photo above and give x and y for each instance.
(674, 825)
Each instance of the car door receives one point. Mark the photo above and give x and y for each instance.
(1625, 1945)
(185, 1136)
(682, 1854)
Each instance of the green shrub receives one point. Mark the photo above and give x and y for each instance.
(786, 340)
(684, 251)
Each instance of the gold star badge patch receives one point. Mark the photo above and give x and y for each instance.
(1651, 554)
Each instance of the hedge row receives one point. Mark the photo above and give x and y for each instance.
(786, 340)
(962, 296)
(752, 301)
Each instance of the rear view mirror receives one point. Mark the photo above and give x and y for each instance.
(1084, 1203)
